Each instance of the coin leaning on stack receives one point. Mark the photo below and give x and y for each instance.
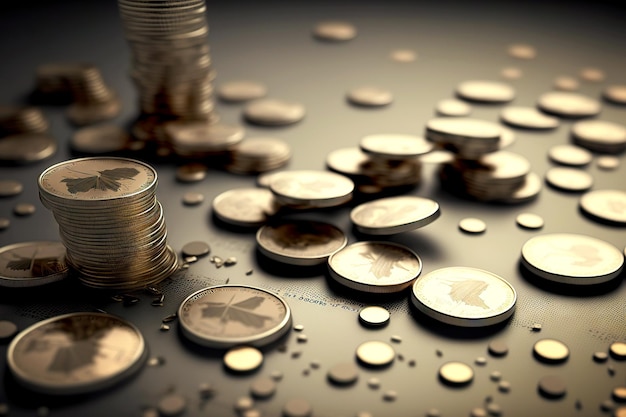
(109, 221)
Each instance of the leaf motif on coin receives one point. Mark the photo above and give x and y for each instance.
(78, 354)
(468, 292)
(242, 311)
(382, 264)
(20, 264)
(109, 179)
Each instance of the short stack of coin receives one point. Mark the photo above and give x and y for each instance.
(258, 154)
(15, 120)
(171, 65)
(110, 221)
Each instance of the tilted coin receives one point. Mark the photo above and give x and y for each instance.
(300, 242)
(100, 139)
(453, 107)
(27, 147)
(76, 353)
(570, 155)
(600, 136)
(605, 205)
(311, 188)
(529, 221)
(568, 104)
(615, 94)
(572, 258)
(247, 207)
(528, 117)
(485, 91)
(375, 267)
(370, 96)
(394, 146)
(31, 264)
(273, 112)
(334, 31)
(241, 90)
(229, 315)
(9, 188)
(569, 179)
(392, 215)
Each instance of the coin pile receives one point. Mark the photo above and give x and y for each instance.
(110, 221)
(259, 154)
(24, 135)
(171, 64)
(15, 120)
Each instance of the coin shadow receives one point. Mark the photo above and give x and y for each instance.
(284, 270)
(600, 219)
(570, 289)
(244, 230)
(423, 245)
(362, 297)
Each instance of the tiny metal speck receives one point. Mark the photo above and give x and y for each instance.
(607, 405)
(504, 386)
(315, 364)
(439, 353)
(191, 259)
(298, 327)
(480, 361)
(164, 327)
(400, 357)
(390, 395)
(250, 272)
(296, 354)
(412, 363)
(206, 390)
(276, 375)
(373, 383)
(611, 370)
(230, 261)
(302, 338)
(396, 339)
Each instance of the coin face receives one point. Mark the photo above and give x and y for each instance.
(607, 205)
(76, 353)
(247, 207)
(572, 258)
(300, 242)
(466, 297)
(229, 315)
(97, 179)
(395, 146)
(375, 267)
(394, 214)
(314, 188)
(32, 263)
(486, 91)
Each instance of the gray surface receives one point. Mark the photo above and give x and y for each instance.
(272, 44)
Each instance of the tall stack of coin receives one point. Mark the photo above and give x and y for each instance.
(171, 64)
(110, 221)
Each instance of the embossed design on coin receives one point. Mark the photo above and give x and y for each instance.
(464, 296)
(572, 258)
(229, 315)
(76, 353)
(32, 263)
(391, 215)
(375, 267)
(605, 205)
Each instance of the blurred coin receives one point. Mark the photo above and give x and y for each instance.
(403, 55)
(529, 221)
(191, 172)
(225, 316)
(196, 248)
(334, 31)
(100, 139)
(370, 96)
(569, 179)
(511, 73)
(347, 161)
(465, 136)
(243, 359)
(608, 162)
(311, 188)
(273, 112)
(30, 264)
(485, 91)
(550, 350)
(193, 199)
(241, 90)
(392, 215)
(26, 147)
(568, 104)
(592, 74)
(10, 188)
(16, 120)
(4, 223)
(456, 373)
(394, 146)
(570, 155)
(247, 207)
(600, 136)
(472, 225)
(566, 83)
(528, 117)
(300, 242)
(88, 113)
(615, 94)
(375, 267)
(375, 353)
(605, 205)
(24, 209)
(453, 107)
(463, 296)
(76, 353)
(529, 190)
(522, 51)
(198, 138)
(572, 258)
(258, 154)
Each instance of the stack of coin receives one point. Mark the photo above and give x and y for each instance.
(259, 154)
(22, 120)
(201, 139)
(171, 64)
(110, 221)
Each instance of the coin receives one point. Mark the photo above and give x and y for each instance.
(392, 215)
(27, 147)
(608, 162)
(201, 138)
(374, 316)
(30, 264)
(456, 373)
(566, 83)
(8, 329)
(615, 94)
(246, 207)
(394, 146)
(334, 31)
(570, 155)
(568, 104)
(273, 112)
(99, 139)
(300, 242)
(592, 74)
(552, 386)
(528, 117)
(453, 107)
(529, 221)
(297, 407)
(24, 209)
(466, 297)
(600, 136)
(511, 73)
(229, 315)
(522, 51)
(243, 359)
(191, 172)
(375, 267)
(569, 179)
(241, 90)
(618, 350)
(76, 353)
(258, 154)
(485, 91)
(263, 387)
(343, 374)
(196, 248)
(468, 137)
(370, 96)
(572, 258)
(551, 351)
(10, 188)
(375, 353)
(403, 56)
(311, 188)
(472, 225)
(605, 205)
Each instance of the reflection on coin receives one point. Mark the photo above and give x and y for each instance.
(375, 267)
(300, 242)
(550, 351)
(472, 225)
(568, 104)
(522, 51)
(375, 353)
(394, 146)
(485, 91)
(273, 112)
(606, 205)
(100, 139)
(527, 117)
(370, 96)
(392, 215)
(456, 373)
(529, 221)
(246, 207)
(334, 31)
(230, 315)
(566, 83)
(600, 136)
(615, 94)
(403, 55)
(241, 90)
(570, 155)
(453, 107)
(466, 297)
(31, 264)
(311, 188)
(572, 258)
(9, 188)
(26, 147)
(76, 353)
(374, 316)
(569, 179)
(243, 359)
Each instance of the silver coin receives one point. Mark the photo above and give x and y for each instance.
(76, 353)
(394, 146)
(31, 264)
(375, 267)
(230, 315)
(453, 107)
(100, 139)
(241, 90)
(334, 31)
(522, 51)
(528, 117)
(10, 188)
(568, 104)
(247, 207)
(486, 91)
(392, 215)
(572, 258)
(606, 205)
(27, 147)
(566, 83)
(466, 297)
(370, 96)
(300, 242)
(600, 135)
(569, 179)
(274, 112)
(570, 155)
(311, 188)
(615, 94)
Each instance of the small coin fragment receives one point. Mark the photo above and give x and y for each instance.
(24, 209)
(172, 405)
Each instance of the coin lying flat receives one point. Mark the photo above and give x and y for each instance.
(615, 94)
(403, 55)
(572, 258)
(566, 83)
(334, 31)
(99, 139)
(392, 215)
(31, 264)
(311, 188)
(10, 188)
(570, 155)
(606, 205)
(486, 91)
(528, 117)
(370, 96)
(76, 353)
(452, 107)
(247, 207)
(375, 267)
(273, 112)
(241, 90)
(568, 104)
(229, 315)
(569, 179)
(466, 136)
(394, 146)
(27, 147)
(456, 373)
(375, 353)
(463, 296)
(600, 136)
(300, 242)
(522, 51)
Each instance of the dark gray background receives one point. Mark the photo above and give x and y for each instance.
(271, 42)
